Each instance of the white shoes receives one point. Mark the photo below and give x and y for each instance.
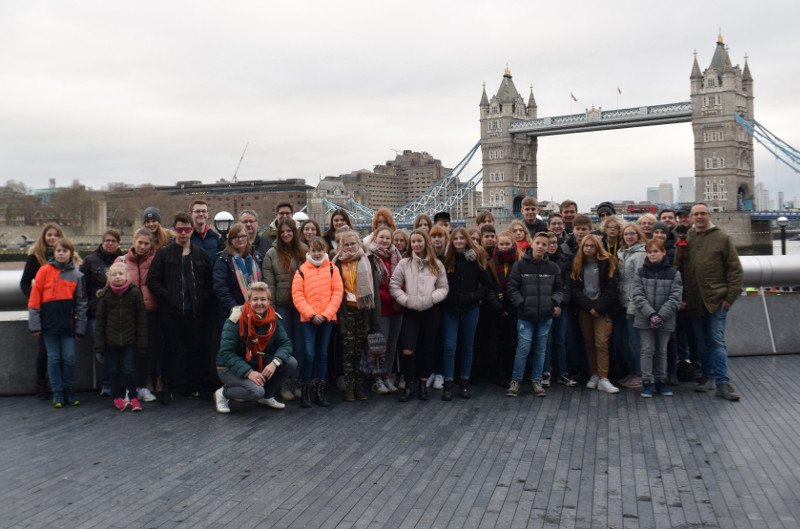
(391, 387)
(272, 403)
(146, 395)
(438, 381)
(431, 378)
(379, 387)
(221, 401)
(607, 386)
(592, 384)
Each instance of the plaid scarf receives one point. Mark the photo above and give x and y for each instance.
(503, 261)
(363, 283)
(246, 271)
(388, 255)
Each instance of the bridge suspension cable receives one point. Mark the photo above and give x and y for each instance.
(779, 148)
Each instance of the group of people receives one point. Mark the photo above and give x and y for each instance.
(271, 317)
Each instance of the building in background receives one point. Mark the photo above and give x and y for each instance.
(686, 190)
(652, 195)
(780, 204)
(666, 194)
(762, 198)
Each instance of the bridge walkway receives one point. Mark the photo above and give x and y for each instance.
(577, 458)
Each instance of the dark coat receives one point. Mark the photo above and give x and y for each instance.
(94, 269)
(469, 285)
(29, 273)
(535, 288)
(226, 288)
(210, 242)
(121, 320)
(608, 303)
(165, 279)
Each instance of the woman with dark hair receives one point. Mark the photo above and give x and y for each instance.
(339, 218)
(255, 354)
(280, 264)
(40, 254)
(235, 269)
(308, 230)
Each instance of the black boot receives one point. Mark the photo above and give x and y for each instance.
(447, 392)
(305, 398)
(422, 393)
(408, 393)
(322, 400)
(464, 389)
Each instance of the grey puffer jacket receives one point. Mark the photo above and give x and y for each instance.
(656, 288)
(277, 279)
(630, 261)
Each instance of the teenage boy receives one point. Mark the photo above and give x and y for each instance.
(581, 227)
(180, 279)
(576, 348)
(530, 210)
(483, 218)
(568, 209)
(202, 234)
(284, 210)
(557, 226)
(442, 219)
(557, 339)
(488, 238)
(536, 290)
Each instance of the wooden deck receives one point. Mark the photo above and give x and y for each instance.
(577, 458)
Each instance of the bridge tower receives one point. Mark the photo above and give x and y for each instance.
(723, 150)
(509, 160)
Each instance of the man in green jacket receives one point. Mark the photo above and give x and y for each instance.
(712, 282)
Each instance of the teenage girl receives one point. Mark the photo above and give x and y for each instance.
(57, 311)
(418, 284)
(522, 236)
(317, 294)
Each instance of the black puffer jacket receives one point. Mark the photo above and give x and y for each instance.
(535, 288)
(469, 285)
(94, 269)
(121, 320)
(165, 279)
(608, 303)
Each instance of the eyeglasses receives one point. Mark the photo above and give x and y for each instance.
(239, 237)
(200, 211)
(183, 230)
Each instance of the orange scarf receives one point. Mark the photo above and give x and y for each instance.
(256, 343)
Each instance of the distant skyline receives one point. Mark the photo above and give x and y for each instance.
(160, 92)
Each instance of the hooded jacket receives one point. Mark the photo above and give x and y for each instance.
(57, 304)
(413, 285)
(138, 267)
(656, 288)
(121, 320)
(469, 285)
(630, 261)
(94, 269)
(535, 288)
(165, 279)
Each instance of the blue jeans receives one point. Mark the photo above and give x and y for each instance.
(60, 360)
(557, 341)
(458, 328)
(526, 331)
(709, 330)
(315, 355)
(290, 319)
(124, 358)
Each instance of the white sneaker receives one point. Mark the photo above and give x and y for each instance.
(272, 403)
(146, 395)
(401, 382)
(606, 385)
(379, 388)
(429, 383)
(221, 401)
(391, 387)
(592, 384)
(438, 382)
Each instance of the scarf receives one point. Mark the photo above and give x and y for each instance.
(246, 271)
(120, 290)
(256, 343)
(364, 292)
(503, 261)
(316, 262)
(390, 255)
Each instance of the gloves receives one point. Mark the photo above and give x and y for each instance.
(656, 321)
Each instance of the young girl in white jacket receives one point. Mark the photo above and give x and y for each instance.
(418, 283)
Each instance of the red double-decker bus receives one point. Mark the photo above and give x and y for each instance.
(642, 208)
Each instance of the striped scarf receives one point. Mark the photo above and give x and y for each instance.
(246, 271)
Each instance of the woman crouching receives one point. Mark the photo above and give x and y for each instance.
(255, 354)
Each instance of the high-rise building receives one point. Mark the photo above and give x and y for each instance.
(723, 151)
(665, 193)
(762, 197)
(652, 195)
(779, 205)
(686, 190)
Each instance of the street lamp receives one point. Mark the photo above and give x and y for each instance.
(223, 222)
(783, 222)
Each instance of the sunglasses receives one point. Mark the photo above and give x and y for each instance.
(184, 230)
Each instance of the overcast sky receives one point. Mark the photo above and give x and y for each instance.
(163, 91)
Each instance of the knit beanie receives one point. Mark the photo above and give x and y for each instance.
(607, 207)
(151, 213)
(661, 226)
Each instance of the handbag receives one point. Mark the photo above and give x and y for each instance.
(373, 359)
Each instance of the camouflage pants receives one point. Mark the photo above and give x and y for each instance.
(354, 340)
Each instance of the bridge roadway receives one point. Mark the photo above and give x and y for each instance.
(577, 458)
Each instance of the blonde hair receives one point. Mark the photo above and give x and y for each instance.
(118, 264)
(259, 286)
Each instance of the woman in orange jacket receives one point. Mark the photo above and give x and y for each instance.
(317, 293)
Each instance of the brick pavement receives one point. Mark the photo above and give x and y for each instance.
(577, 458)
